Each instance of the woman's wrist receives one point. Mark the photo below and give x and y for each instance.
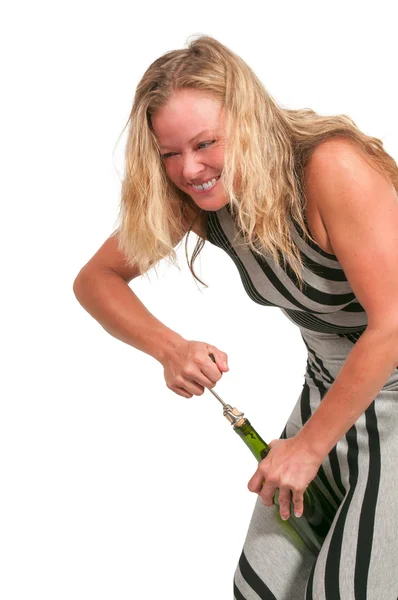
(317, 446)
(166, 343)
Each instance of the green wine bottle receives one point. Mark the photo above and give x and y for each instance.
(319, 511)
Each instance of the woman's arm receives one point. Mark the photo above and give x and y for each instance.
(102, 289)
(359, 208)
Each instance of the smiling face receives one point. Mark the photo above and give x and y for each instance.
(190, 132)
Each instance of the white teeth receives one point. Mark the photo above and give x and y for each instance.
(205, 186)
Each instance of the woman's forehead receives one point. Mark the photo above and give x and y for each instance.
(188, 102)
(187, 114)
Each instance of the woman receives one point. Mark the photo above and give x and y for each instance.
(307, 208)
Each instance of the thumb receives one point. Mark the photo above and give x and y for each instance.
(221, 361)
(256, 482)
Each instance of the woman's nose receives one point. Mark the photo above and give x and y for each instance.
(192, 167)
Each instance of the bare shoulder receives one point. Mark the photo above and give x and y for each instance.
(336, 169)
(338, 158)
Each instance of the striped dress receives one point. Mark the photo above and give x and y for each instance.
(359, 558)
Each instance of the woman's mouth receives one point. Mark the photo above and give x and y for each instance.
(207, 186)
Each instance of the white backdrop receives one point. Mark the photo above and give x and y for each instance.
(112, 486)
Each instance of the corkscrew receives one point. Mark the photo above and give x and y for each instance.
(234, 416)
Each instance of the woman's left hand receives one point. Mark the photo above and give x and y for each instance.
(289, 467)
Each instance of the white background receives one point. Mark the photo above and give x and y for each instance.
(112, 486)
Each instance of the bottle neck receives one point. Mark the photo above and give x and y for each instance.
(252, 439)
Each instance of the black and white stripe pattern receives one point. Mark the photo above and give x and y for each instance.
(326, 304)
(359, 558)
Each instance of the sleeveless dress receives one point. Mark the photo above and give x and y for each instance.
(359, 558)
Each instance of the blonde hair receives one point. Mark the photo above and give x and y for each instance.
(267, 150)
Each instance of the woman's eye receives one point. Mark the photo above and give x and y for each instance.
(207, 143)
(200, 146)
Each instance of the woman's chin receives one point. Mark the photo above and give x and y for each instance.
(209, 203)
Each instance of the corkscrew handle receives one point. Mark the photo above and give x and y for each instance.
(214, 393)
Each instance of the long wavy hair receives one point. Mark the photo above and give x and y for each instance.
(267, 150)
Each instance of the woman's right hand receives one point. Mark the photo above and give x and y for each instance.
(188, 369)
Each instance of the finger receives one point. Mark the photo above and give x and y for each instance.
(198, 374)
(210, 375)
(181, 384)
(180, 391)
(256, 482)
(267, 494)
(193, 387)
(219, 358)
(298, 502)
(284, 500)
